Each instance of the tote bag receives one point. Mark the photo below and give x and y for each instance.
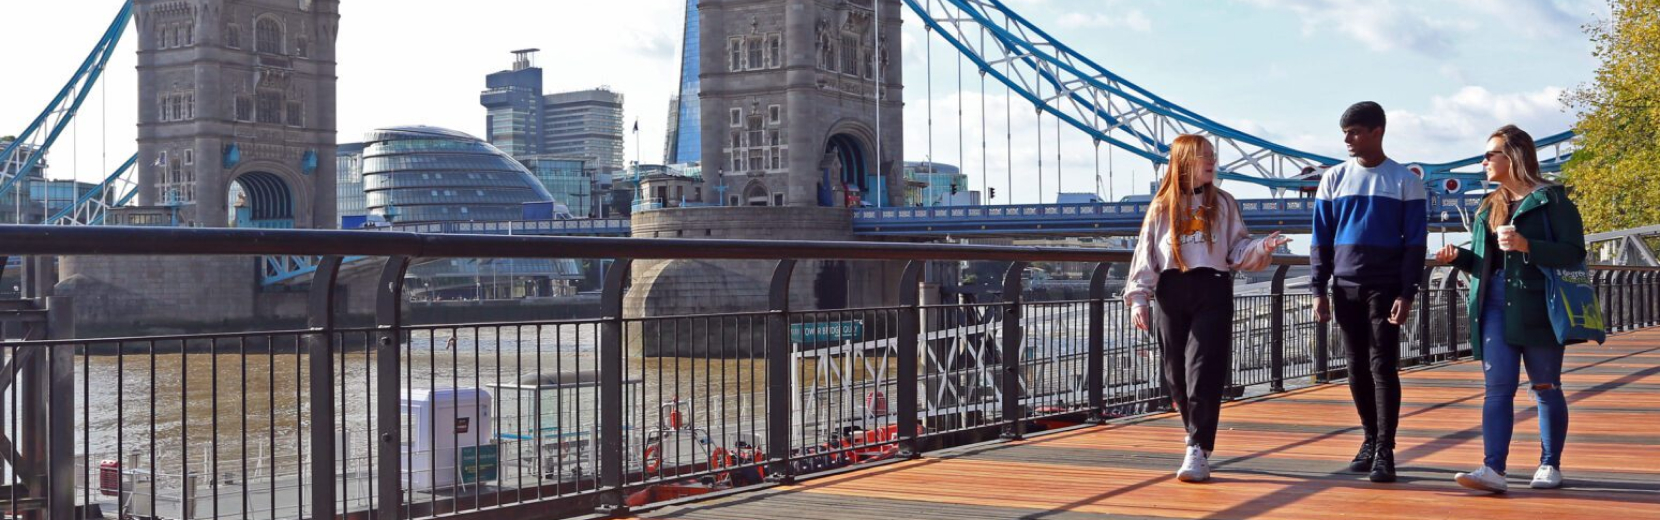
(1571, 301)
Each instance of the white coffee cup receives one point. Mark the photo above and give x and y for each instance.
(1505, 233)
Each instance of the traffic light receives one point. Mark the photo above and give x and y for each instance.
(953, 188)
(992, 192)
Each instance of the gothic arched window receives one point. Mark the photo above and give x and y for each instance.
(267, 36)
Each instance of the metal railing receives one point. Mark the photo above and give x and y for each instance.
(559, 417)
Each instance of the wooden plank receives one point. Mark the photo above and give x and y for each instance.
(1282, 457)
(1156, 493)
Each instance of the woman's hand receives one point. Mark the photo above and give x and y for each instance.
(1510, 240)
(1141, 317)
(1273, 242)
(1447, 254)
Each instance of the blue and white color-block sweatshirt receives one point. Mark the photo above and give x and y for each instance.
(1369, 227)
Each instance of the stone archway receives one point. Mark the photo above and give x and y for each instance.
(259, 199)
(756, 194)
(848, 164)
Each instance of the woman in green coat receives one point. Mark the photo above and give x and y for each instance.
(1525, 225)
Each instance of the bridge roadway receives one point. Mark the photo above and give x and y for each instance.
(1032, 220)
(1103, 219)
(1279, 456)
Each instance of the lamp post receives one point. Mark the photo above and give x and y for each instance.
(720, 173)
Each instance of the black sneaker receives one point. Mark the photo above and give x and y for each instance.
(1383, 468)
(1363, 460)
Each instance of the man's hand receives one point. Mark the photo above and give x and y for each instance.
(1398, 313)
(1141, 317)
(1322, 309)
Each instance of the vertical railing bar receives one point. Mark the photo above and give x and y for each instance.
(188, 496)
(60, 417)
(321, 356)
(1276, 324)
(1013, 417)
(389, 328)
(612, 364)
(242, 362)
(271, 414)
(478, 428)
(909, 327)
(1449, 293)
(1616, 281)
(779, 407)
(1423, 315)
(213, 429)
(86, 419)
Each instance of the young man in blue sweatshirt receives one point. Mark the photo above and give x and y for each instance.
(1368, 250)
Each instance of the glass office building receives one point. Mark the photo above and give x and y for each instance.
(937, 179)
(513, 106)
(686, 142)
(430, 174)
(522, 121)
(350, 202)
(567, 180)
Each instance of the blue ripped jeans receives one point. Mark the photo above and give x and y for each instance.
(1501, 362)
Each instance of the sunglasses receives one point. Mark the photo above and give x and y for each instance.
(1490, 155)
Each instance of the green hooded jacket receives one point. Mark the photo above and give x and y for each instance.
(1526, 320)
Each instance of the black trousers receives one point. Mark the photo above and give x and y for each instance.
(1362, 314)
(1194, 328)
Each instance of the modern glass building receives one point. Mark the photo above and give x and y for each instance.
(350, 202)
(567, 180)
(513, 106)
(937, 179)
(522, 122)
(587, 124)
(430, 174)
(686, 137)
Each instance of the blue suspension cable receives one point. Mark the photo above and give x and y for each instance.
(961, 162)
(985, 178)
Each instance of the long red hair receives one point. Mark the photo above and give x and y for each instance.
(1172, 198)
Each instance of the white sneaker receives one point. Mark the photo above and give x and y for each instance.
(1484, 479)
(1195, 468)
(1548, 477)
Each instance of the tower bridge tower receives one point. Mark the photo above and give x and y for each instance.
(237, 101)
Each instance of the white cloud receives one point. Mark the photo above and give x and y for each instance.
(1132, 19)
(1381, 24)
(1456, 126)
(1452, 127)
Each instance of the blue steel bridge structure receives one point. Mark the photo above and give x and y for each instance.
(1055, 79)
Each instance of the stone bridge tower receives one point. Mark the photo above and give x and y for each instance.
(238, 96)
(792, 111)
(794, 131)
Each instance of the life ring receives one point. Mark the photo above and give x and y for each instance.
(718, 459)
(653, 456)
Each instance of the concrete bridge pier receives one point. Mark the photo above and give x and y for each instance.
(700, 287)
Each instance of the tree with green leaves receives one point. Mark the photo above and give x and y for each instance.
(1615, 171)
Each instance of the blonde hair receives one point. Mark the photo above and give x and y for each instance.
(1178, 183)
(1523, 157)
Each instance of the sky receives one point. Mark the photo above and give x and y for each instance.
(1447, 72)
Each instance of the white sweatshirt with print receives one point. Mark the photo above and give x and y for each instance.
(1230, 248)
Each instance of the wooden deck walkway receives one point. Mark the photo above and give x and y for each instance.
(1281, 456)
